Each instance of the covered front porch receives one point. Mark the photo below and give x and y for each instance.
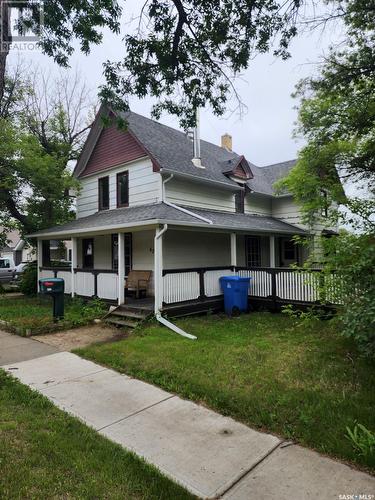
(184, 266)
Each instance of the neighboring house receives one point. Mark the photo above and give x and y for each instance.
(187, 210)
(16, 249)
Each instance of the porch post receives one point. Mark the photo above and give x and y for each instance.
(121, 268)
(39, 256)
(233, 249)
(73, 265)
(272, 251)
(158, 268)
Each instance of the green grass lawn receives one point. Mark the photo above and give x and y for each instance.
(266, 370)
(35, 313)
(44, 453)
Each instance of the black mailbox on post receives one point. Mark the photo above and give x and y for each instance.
(54, 287)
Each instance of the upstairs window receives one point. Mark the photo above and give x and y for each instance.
(253, 251)
(240, 202)
(104, 193)
(123, 189)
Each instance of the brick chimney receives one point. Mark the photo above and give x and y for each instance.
(226, 142)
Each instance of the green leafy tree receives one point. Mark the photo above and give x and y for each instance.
(337, 119)
(38, 142)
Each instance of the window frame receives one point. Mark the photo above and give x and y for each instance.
(84, 240)
(118, 191)
(100, 200)
(258, 239)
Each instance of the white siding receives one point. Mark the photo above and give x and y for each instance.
(184, 249)
(258, 204)
(144, 187)
(199, 195)
(287, 210)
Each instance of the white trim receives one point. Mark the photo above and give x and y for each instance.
(121, 268)
(158, 268)
(201, 180)
(233, 249)
(188, 212)
(153, 222)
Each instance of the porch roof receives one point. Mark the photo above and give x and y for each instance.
(161, 213)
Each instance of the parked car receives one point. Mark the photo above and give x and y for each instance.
(7, 269)
(20, 269)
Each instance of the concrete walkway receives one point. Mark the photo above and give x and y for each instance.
(211, 455)
(14, 348)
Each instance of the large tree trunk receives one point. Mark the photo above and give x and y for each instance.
(5, 41)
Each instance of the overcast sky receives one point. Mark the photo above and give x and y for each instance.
(264, 133)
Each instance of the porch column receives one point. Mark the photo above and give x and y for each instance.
(74, 264)
(39, 256)
(158, 268)
(233, 249)
(121, 268)
(272, 251)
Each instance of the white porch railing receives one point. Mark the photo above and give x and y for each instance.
(180, 286)
(107, 286)
(282, 285)
(88, 282)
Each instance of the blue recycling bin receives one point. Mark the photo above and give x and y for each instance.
(236, 291)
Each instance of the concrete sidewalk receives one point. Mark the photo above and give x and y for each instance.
(14, 348)
(211, 455)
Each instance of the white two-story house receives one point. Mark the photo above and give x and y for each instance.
(154, 199)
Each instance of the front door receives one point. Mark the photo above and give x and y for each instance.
(88, 253)
(288, 252)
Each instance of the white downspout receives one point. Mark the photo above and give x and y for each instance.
(184, 210)
(158, 268)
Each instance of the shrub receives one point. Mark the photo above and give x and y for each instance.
(353, 257)
(28, 281)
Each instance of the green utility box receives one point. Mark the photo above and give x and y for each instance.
(54, 287)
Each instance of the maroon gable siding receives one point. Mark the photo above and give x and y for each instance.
(113, 147)
(239, 171)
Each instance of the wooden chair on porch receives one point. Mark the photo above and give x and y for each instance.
(137, 283)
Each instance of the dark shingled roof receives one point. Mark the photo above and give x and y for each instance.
(265, 177)
(160, 212)
(173, 151)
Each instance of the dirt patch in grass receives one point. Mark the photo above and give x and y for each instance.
(82, 337)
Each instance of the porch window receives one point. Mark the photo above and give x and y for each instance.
(103, 193)
(123, 189)
(127, 249)
(253, 251)
(289, 254)
(240, 202)
(88, 253)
